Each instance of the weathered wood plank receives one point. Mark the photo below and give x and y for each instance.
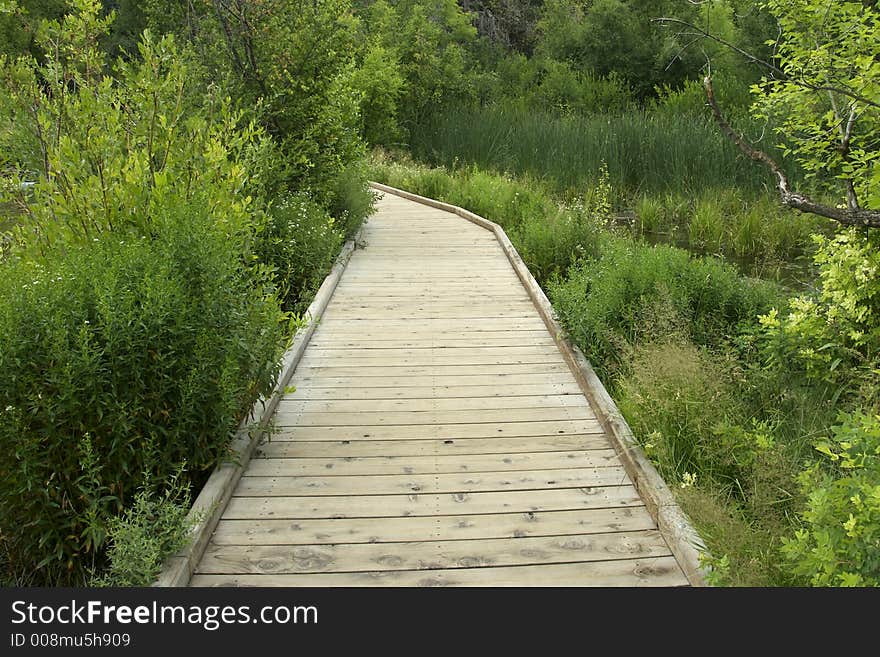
(434, 324)
(394, 530)
(429, 358)
(258, 486)
(432, 431)
(660, 571)
(289, 404)
(437, 370)
(431, 504)
(401, 447)
(365, 392)
(463, 354)
(432, 555)
(442, 381)
(440, 464)
(453, 418)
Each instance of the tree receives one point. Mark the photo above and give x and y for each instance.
(821, 93)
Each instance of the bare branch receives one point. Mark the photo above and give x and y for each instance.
(849, 216)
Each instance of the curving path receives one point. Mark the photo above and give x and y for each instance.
(436, 436)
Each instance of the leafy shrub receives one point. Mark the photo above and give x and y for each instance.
(152, 528)
(834, 335)
(381, 83)
(601, 303)
(300, 243)
(352, 199)
(108, 346)
(839, 542)
(550, 244)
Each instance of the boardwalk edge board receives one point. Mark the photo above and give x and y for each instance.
(683, 540)
(214, 496)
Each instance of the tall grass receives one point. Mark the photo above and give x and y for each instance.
(644, 152)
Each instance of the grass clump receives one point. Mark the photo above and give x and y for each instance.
(609, 302)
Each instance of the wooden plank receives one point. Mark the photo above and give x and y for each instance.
(368, 380)
(396, 447)
(440, 325)
(659, 571)
(407, 294)
(291, 405)
(283, 417)
(419, 314)
(438, 370)
(326, 531)
(428, 358)
(432, 555)
(472, 288)
(339, 333)
(440, 464)
(444, 381)
(471, 482)
(428, 342)
(432, 431)
(431, 504)
(461, 353)
(428, 392)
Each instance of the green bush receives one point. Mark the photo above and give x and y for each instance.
(153, 527)
(550, 244)
(300, 244)
(839, 541)
(833, 336)
(603, 302)
(680, 404)
(111, 345)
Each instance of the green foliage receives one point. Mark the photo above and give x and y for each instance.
(165, 339)
(107, 157)
(152, 528)
(131, 308)
(607, 303)
(19, 21)
(833, 336)
(290, 65)
(301, 241)
(762, 236)
(380, 81)
(605, 36)
(826, 106)
(550, 244)
(682, 405)
(839, 542)
(426, 46)
(549, 85)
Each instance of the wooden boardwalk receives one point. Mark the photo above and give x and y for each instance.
(436, 436)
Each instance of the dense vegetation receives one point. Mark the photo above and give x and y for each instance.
(164, 227)
(196, 167)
